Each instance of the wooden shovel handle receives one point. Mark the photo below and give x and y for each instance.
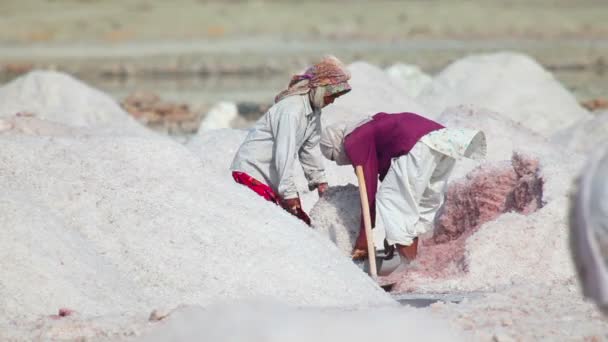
(367, 222)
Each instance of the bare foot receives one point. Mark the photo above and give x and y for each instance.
(359, 254)
(408, 252)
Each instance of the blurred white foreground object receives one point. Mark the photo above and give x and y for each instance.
(220, 116)
(409, 77)
(589, 229)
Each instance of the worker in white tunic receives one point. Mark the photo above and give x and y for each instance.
(290, 130)
(413, 157)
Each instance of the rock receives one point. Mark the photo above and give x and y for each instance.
(595, 104)
(170, 117)
(220, 116)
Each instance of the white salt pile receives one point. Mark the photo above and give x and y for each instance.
(27, 124)
(119, 326)
(216, 149)
(158, 228)
(585, 136)
(372, 91)
(337, 216)
(409, 78)
(553, 311)
(219, 116)
(504, 250)
(503, 136)
(259, 322)
(245, 320)
(509, 83)
(58, 97)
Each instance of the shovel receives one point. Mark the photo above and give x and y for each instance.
(388, 264)
(367, 222)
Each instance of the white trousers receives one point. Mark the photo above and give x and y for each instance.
(411, 193)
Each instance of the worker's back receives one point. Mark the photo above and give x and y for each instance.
(391, 136)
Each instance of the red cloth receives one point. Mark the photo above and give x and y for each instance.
(266, 192)
(374, 144)
(257, 186)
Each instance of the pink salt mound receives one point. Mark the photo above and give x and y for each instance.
(487, 192)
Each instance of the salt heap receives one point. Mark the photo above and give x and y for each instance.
(585, 136)
(256, 320)
(58, 97)
(509, 83)
(409, 78)
(220, 115)
(216, 148)
(337, 216)
(130, 223)
(372, 91)
(528, 312)
(503, 136)
(269, 322)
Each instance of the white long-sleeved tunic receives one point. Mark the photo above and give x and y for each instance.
(290, 129)
(413, 189)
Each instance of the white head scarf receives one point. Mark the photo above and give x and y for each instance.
(317, 97)
(332, 144)
(332, 141)
(457, 142)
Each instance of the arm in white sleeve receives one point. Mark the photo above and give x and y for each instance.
(434, 195)
(284, 126)
(312, 162)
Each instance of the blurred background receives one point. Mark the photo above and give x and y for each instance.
(170, 62)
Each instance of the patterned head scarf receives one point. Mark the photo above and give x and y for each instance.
(330, 74)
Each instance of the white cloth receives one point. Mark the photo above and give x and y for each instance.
(290, 129)
(332, 141)
(457, 142)
(411, 193)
